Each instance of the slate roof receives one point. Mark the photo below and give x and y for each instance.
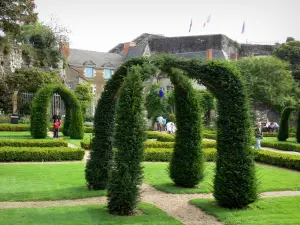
(78, 57)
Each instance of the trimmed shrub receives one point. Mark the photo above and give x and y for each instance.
(37, 154)
(235, 184)
(14, 127)
(278, 159)
(298, 128)
(86, 129)
(285, 146)
(126, 175)
(186, 165)
(33, 143)
(85, 144)
(160, 136)
(283, 133)
(40, 103)
(99, 164)
(158, 144)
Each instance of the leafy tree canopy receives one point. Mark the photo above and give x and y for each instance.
(84, 95)
(14, 13)
(290, 52)
(268, 81)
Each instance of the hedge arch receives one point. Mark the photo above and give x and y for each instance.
(39, 119)
(283, 133)
(235, 181)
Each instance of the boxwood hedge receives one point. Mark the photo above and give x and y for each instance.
(33, 143)
(14, 127)
(283, 133)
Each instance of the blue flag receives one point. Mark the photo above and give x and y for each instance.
(161, 93)
(191, 26)
(243, 28)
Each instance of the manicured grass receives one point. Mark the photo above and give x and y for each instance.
(22, 182)
(270, 179)
(290, 140)
(266, 211)
(15, 135)
(87, 136)
(82, 215)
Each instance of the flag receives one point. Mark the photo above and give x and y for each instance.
(207, 20)
(191, 26)
(161, 93)
(243, 28)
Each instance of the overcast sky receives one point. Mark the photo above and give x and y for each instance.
(99, 25)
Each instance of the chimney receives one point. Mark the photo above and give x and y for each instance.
(209, 54)
(64, 48)
(127, 46)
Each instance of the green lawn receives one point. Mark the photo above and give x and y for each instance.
(270, 179)
(22, 182)
(87, 136)
(82, 215)
(266, 211)
(15, 135)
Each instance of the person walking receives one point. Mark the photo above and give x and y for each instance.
(56, 125)
(258, 135)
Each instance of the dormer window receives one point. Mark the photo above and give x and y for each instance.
(89, 72)
(108, 73)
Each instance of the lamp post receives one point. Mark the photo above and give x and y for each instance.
(15, 118)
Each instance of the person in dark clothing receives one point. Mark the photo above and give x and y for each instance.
(56, 116)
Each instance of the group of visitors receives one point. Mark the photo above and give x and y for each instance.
(56, 124)
(162, 125)
(271, 127)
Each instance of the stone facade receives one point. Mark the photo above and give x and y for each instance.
(12, 61)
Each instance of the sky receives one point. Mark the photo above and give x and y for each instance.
(99, 25)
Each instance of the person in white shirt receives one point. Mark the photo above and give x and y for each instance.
(170, 127)
(160, 123)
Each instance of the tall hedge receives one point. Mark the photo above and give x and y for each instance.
(298, 128)
(283, 133)
(40, 104)
(99, 165)
(126, 175)
(186, 166)
(235, 184)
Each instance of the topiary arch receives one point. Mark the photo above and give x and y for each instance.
(235, 180)
(73, 125)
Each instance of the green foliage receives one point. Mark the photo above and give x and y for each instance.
(98, 167)
(285, 146)
(31, 79)
(41, 101)
(37, 154)
(13, 13)
(207, 104)
(126, 174)
(154, 104)
(33, 143)
(40, 45)
(283, 133)
(290, 52)
(278, 159)
(186, 166)
(298, 128)
(172, 117)
(268, 81)
(14, 127)
(160, 136)
(84, 95)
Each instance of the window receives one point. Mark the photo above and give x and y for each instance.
(169, 88)
(108, 73)
(89, 72)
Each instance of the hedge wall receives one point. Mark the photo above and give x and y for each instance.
(298, 128)
(39, 117)
(14, 127)
(283, 133)
(33, 143)
(37, 154)
(285, 146)
(160, 136)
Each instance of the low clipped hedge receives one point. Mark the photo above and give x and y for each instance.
(160, 136)
(86, 144)
(33, 143)
(14, 127)
(275, 134)
(86, 129)
(165, 154)
(36, 154)
(278, 159)
(285, 146)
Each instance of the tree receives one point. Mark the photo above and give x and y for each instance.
(40, 45)
(207, 103)
(268, 81)
(84, 95)
(126, 175)
(31, 79)
(14, 13)
(290, 52)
